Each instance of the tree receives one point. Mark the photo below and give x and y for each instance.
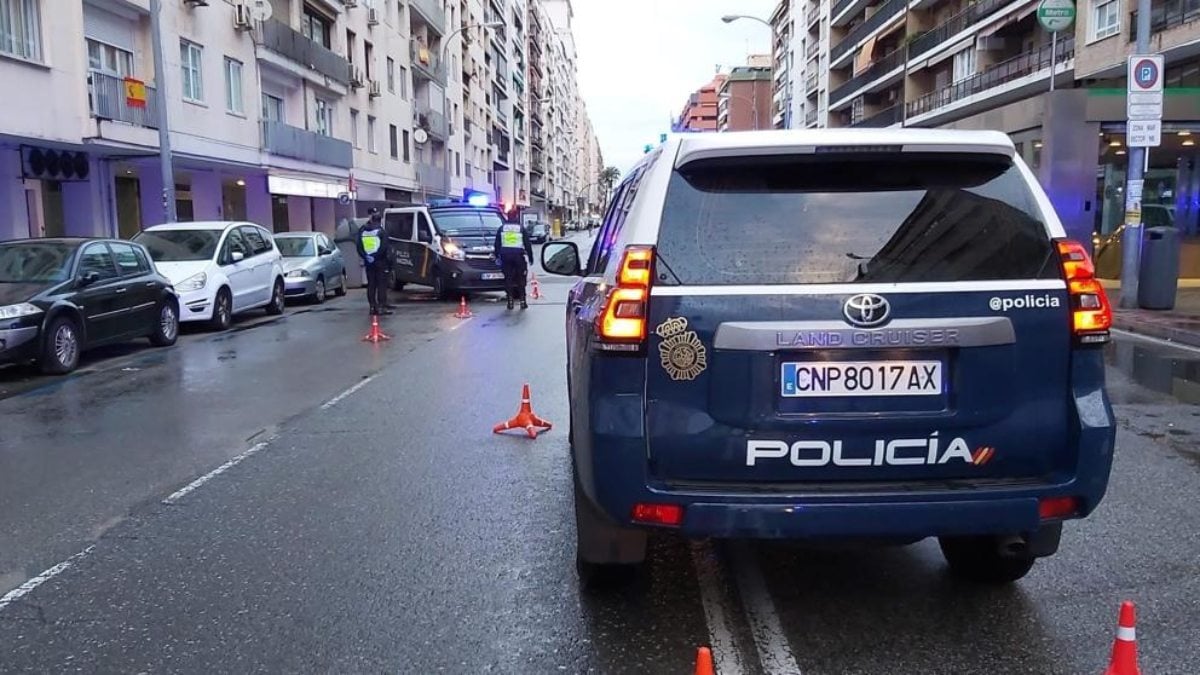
(609, 176)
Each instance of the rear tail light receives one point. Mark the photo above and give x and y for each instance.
(621, 326)
(1091, 313)
(1050, 508)
(658, 514)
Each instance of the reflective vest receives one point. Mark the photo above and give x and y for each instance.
(371, 241)
(510, 237)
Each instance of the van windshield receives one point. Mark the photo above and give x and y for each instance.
(853, 218)
(467, 223)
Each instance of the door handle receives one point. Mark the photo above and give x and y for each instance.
(121, 290)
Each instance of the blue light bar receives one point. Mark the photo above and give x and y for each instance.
(478, 199)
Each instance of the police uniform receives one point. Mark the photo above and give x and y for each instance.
(513, 248)
(373, 249)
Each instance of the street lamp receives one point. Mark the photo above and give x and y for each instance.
(446, 88)
(753, 102)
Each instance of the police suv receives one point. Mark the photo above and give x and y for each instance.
(449, 247)
(852, 335)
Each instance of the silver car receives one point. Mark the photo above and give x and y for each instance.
(312, 265)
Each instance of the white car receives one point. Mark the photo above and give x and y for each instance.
(218, 268)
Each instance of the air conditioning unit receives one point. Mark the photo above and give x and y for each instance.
(372, 17)
(374, 90)
(241, 17)
(356, 77)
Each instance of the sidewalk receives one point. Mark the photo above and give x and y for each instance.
(1181, 324)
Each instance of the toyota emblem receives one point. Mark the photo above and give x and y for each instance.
(867, 310)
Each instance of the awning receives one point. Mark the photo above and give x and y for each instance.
(1008, 20)
(305, 187)
(865, 56)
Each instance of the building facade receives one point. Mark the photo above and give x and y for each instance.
(701, 110)
(746, 99)
(294, 116)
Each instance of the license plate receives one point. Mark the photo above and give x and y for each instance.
(862, 378)
(492, 276)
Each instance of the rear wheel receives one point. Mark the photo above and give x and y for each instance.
(319, 295)
(982, 560)
(277, 301)
(166, 328)
(605, 554)
(222, 316)
(60, 347)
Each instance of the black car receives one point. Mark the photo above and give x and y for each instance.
(539, 233)
(59, 297)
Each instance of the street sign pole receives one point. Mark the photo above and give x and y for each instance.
(1144, 96)
(164, 133)
(1055, 16)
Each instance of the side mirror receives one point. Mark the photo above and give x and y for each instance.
(326, 251)
(236, 256)
(562, 258)
(88, 278)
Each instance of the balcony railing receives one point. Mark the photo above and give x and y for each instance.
(810, 82)
(432, 178)
(840, 6)
(288, 141)
(107, 101)
(502, 118)
(282, 39)
(810, 118)
(425, 62)
(432, 13)
(813, 47)
(432, 121)
(885, 13)
(876, 70)
(1005, 71)
(969, 16)
(883, 118)
(1170, 14)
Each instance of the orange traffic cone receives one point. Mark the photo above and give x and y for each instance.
(537, 291)
(375, 335)
(463, 311)
(704, 662)
(1124, 653)
(525, 419)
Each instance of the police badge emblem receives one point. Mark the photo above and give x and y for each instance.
(682, 353)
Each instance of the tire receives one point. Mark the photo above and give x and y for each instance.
(319, 296)
(166, 326)
(61, 346)
(605, 553)
(979, 560)
(222, 316)
(275, 307)
(439, 286)
(340, 291)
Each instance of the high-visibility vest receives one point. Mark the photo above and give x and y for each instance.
(510, 237)
(371, 241)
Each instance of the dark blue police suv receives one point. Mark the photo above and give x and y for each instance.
(866, 336)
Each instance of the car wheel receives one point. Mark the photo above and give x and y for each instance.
(61, 347)
(341, 289)
(275, 307)
(166, 329)
(981, 560)
(319, 296)
(222, 316)
(605, 554)
(439, 286)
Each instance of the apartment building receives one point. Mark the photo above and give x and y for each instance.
(270, 120)
(783, 62)
(746, 97)
(702, 108)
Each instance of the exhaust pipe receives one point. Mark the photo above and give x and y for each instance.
(1013, 546)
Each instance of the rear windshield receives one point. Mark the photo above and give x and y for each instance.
(825, 219)
(179, 245)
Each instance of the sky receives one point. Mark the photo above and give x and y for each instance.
(639, 60)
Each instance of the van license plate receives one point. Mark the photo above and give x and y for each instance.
(492, 276)
(862, 378)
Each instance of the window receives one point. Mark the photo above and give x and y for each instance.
(324, 117)
(107, 59)
(21, 29)
(393, 143)
(97, 258)
(316, 28)
(130, 262)
(424, 231)
(1106, 18)
(964, 64)
(256, 240)
(190, 63)
(407, 156)
(233, 87)
(391, 75)
(354, 127)
(350, 46)
(369, 59)
(272, 108)
(404, 83)
(371, 133)
(458, 164)
(399, 226)
(234, 243)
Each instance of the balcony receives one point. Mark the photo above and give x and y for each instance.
(810, 83)
(814, 46)
(883, 118)
(885, 13)
(501, 118)
(106, 101)
(432, 178)
(1013, 69)
(434, 123)
(971, 15)
(431, 13)
(425, 63)
(538, 165)
(810, 118)
(288, 141)
(283, 40)
(840, 6)
(1170, 14)
(873, 72)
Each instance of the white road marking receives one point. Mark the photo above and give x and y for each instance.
(29, 586)
(726, 658)
(340, 397)
(1157, 341)
(192, 486)
(769, 638)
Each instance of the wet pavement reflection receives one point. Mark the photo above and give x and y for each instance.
(1162, 369)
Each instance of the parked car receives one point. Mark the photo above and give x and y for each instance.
(311, 265)
(932, 365)
(219, 268)
(61, 297)
(539, 233)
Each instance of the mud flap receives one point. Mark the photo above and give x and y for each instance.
(599, 541)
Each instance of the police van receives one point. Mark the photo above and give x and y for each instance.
(449, 247)
(851, 335)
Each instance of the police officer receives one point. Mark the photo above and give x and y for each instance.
(513, 247)
(374, 250)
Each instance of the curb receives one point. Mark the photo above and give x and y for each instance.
(1139, 326)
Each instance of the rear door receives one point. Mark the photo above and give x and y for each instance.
(105, 301)
(240, 273)
(142, 291)
(855, 318)
(260, 262)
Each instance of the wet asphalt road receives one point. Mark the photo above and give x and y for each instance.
(387, 529)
